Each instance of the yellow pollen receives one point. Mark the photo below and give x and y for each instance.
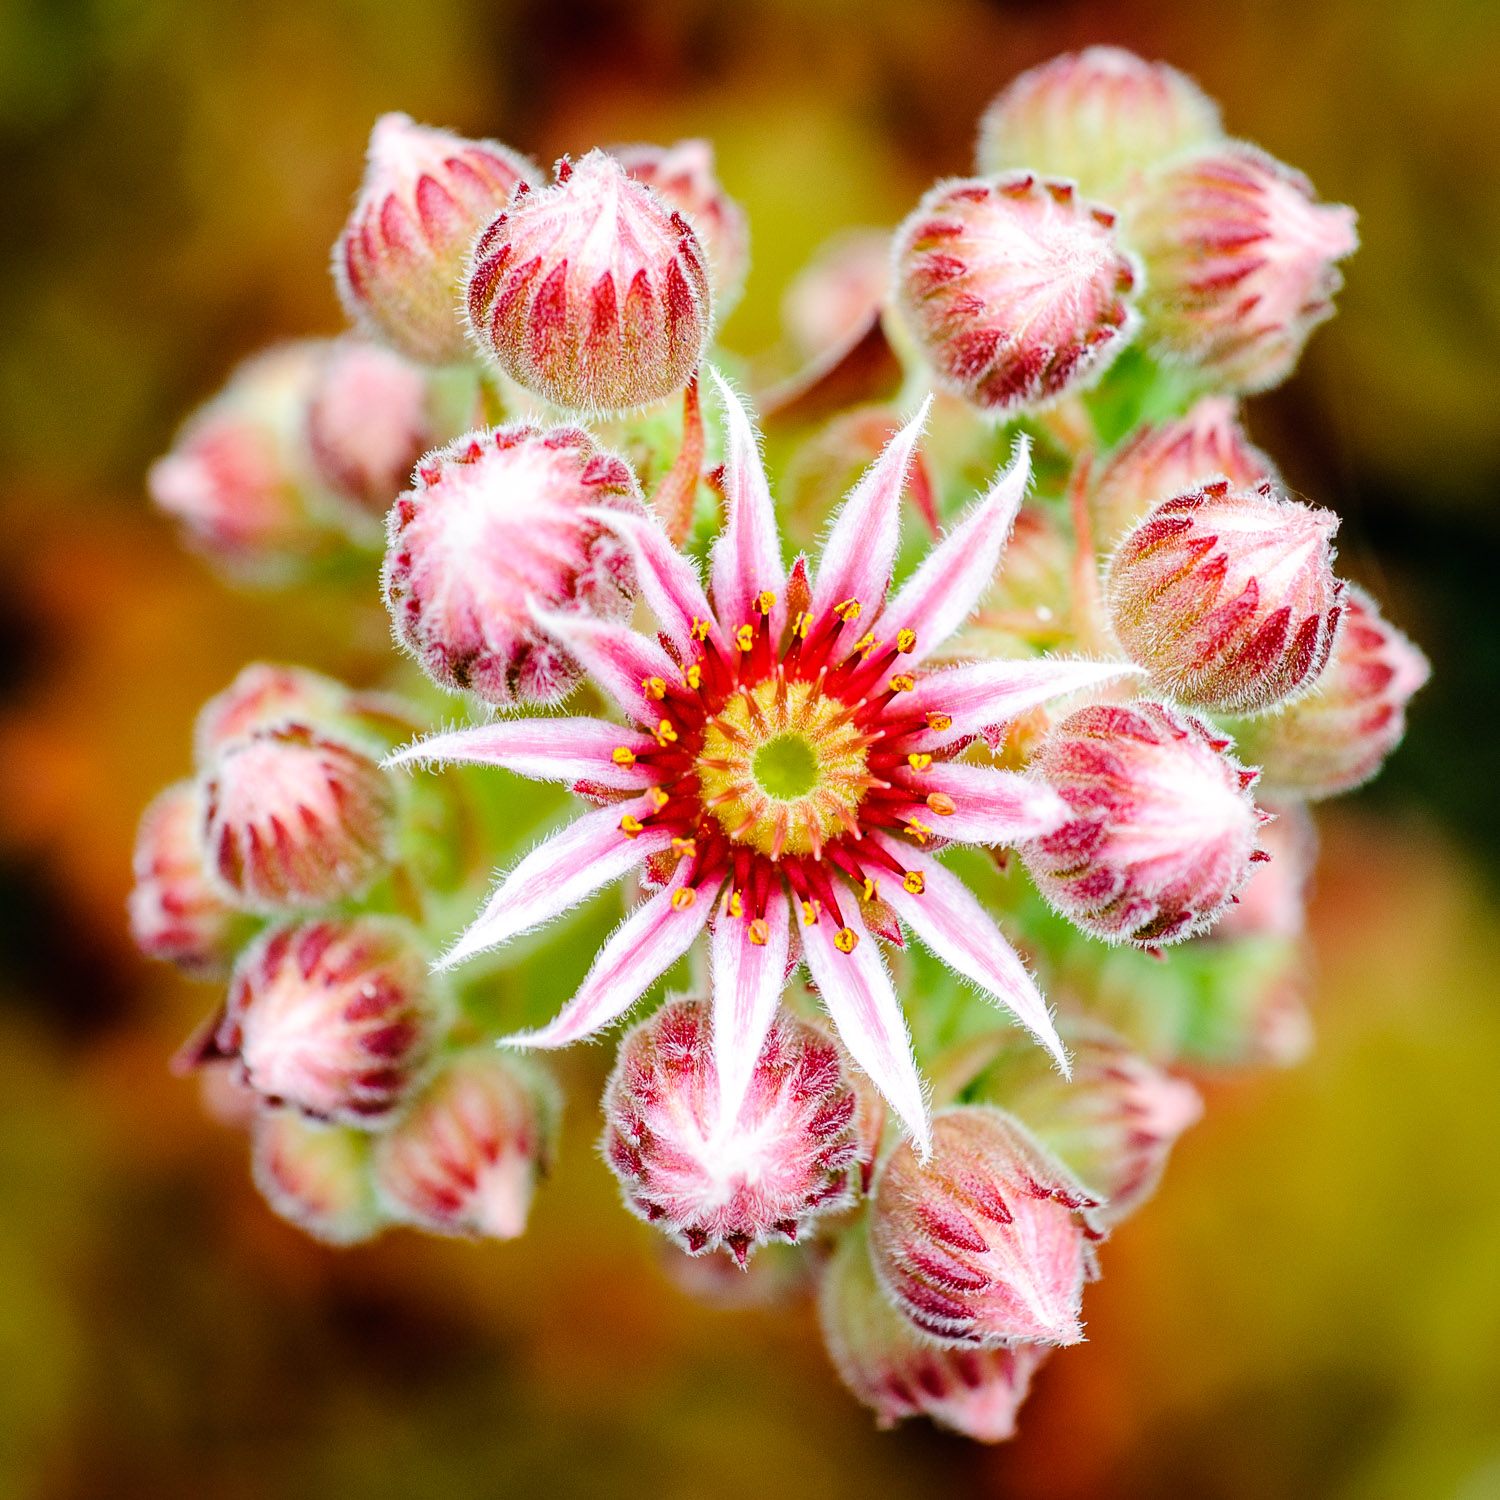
(939, 722)
(665, 734)
(736, 905)
(919, 831)
(684, 898)
(942, 804)
(902, 682)
(654, 687)
(659, 798)
(866, 644)
(914, 882)
(700, 629)
(744, 637)
(847, 610)
(685, 846)
(872, 888)
(694, 675)
(917, 761)
(846, 939)
(630, 825)
(906, 640)
(760, 932)
(622, 756)
(765, 601)
(800, 624)
(810, 912)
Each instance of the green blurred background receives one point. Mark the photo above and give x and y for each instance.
(1311, 1307)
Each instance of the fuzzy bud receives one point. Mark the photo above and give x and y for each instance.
(1164, 828)
(1227, 597)
(399, 262)
(465, 1158)
(835, 295)
(496, 523)
(1103, 117)
(337, 1018)
(1014, 290)
(1240, 264)
(990, 1241)
(593, 293)
(295, 817)
(315, 1176)
(264, 695)
(899, 1374)
(790, 1155)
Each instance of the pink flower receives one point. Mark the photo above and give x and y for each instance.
(316, 1176)
(1014, 290)
(786, 762)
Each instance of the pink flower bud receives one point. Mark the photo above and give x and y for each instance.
(683, 177)
(1240, 264)
(177, 913)
(336, 1017)
(496, 524)
(898, 1373)
(466, 1156)
(990, 1241)
(263, 696)
(295, 817)
(1014, 290)
(789, 1156)
(834, 296)
(592, 293)
(399, 262)
(1159, 462)
(1336, 737)
(315, 1176)
(1227, 597)
(1165, 828)
(1102, 116)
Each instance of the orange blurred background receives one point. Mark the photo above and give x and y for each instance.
(1311, 1307)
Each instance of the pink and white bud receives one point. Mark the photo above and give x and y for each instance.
(593, 293)
(263, 696)
(898, 1373)
(683, 178)
(465, 1158)
(1165, 827)
(296, 817)
(1103, 117)
(177, 912)
(1273, 902)
(790, 1155)
(1161, 461)
(1241, 264)
(316, 1176)
(1227, 597)
(400, 260)
(1337, 736)
(987, 1244)
(836, 294)
(336, 1017)
(1014, 289)
(496, 525)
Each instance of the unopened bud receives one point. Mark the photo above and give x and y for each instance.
(316, 1176)
(592, 293)
(337, 1018)
(1164, 827)
(466, 1156)
(399, 262)
(262, 696)
(1014, 290)
(1103, 117)
(990, 1241)
(1227, 597)
(836, 294)
(495, 524)
(790, 1154)
(1336, 737)
(1240, 264)
(295, 817)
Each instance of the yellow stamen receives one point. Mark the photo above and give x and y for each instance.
(684, 898)
(846, 939)
(744, 637)
(915, 882)
(866, 644)
(694, 676)
(760, 932)
(918, 761)
(688, 847)
(654, 687)
(765, 601)
(800, 624)
(659, 798)
(736, 905)
(810, 913)
(630, 825)
(847, 610)
(919, 831)
(903, 682)
(622, 756)
(872, 888)
(939, 722)
(906, 640)
(665, 734)
(942, 804)
(700, 629)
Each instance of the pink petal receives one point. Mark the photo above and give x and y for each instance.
(590, 852)
(857, 993)
(748, 981)
(953, 577)
(747, 556)
(544, 749)
(949, 920)
(618, 658)
(641, 949)
(990, 806)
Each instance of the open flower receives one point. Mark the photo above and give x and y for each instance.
(788, 768)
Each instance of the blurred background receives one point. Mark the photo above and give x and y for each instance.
(1311, 1306)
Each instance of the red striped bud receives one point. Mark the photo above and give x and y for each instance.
(315, 1176)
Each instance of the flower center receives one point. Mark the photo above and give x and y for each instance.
(786, 767)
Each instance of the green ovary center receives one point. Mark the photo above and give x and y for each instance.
(786, 768)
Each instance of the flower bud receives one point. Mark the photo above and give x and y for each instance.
(989, 1242)
(1013, 289)
(683, 178)
(1227, 597)
(399, 262)
(295, 817)
(496, 523)
(834, 296)
(1165, 828)
(466, 1156)
(1240, 264)
(1103, 117)
(1159, 462)
(262, 696)
(336, 1017)
(1336, 737)
(592, 293)
(315, 1176)
(790, 1155)
(177, 913)
(898, 1373)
